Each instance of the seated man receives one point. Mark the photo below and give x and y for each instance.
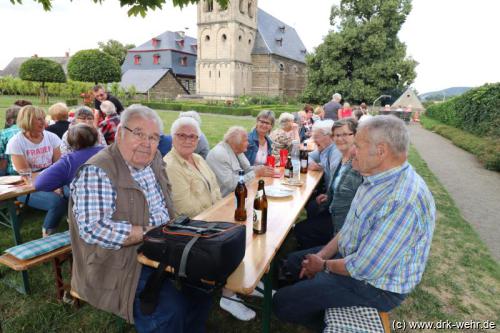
(228, 157)
(379, 255)
(116, 197)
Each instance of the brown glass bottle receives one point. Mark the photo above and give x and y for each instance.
(260, 210)
(241, 193)
(289, 168)
(304, 157)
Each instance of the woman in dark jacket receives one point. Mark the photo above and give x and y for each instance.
(259, 143)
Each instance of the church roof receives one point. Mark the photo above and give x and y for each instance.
(409, 99)
(169, 40)
(14, 65)
(276, 37)
(142, 79)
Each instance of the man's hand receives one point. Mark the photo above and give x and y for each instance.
(313, 166)
(321, 198)
(311, 265)
(264, 171)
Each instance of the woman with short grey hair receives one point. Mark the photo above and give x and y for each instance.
(283, 136)
(203, 147)
(83, 115)
(259, 143)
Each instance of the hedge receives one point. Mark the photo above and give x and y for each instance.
(487, 150)
(477, 111)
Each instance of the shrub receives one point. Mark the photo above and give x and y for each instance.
(71, 102)
(477, 111)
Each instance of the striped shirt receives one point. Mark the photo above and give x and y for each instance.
(387, 234)
(94, 204)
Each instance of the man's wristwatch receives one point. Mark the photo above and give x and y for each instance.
(325, 267)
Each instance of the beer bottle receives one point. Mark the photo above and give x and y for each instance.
(289, 168)
(240, 192)
(260, 210)
(304, 156)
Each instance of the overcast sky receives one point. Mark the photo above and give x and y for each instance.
(455, 42)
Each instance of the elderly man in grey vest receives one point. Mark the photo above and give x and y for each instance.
(116, 197)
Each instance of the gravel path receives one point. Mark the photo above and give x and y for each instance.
(475, 190)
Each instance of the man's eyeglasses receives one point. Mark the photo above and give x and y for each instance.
(155, 138)
(185, 137)
(343, 135)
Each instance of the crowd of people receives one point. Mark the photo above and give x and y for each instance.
(365, 241)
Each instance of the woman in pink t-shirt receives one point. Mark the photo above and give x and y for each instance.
(35, 149)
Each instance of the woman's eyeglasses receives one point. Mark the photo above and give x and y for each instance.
(343, 135)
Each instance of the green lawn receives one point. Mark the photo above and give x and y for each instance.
(461, 282)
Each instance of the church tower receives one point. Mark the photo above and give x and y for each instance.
(226, 38)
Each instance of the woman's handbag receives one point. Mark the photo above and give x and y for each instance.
(198, 254)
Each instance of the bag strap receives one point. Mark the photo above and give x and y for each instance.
(188, 247)
(150, 294)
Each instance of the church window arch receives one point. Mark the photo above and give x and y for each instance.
(243, 6)
(251, 8)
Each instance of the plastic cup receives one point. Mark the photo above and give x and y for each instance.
(26, 176)
(271, 161)
(283, 157)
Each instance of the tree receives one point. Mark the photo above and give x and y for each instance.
(362, 57)
(115, 49)
(42, 70)
(93, 66)
(137, 7)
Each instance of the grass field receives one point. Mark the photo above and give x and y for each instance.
(461, 282)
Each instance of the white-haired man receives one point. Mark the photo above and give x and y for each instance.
(228, 157)
(331, 108)
(379, 255)
(116, 197)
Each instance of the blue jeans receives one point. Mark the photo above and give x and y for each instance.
(55, 206)
(177, 311)
(305, 301)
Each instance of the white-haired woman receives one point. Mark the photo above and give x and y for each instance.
(202, 148)
(194, 185)
(283, 136)
(83, 115)
(109, 125)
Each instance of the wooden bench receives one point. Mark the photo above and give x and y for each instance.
(58, 257)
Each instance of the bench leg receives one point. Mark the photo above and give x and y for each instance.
(16, 224)
(384, 317)
(268, 298)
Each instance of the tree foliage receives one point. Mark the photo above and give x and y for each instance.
(362, 56)
(42, 70)
(94, 66)
(137, 7)
(115, 49)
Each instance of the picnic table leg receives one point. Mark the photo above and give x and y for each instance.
(268, 298)
(15, 224)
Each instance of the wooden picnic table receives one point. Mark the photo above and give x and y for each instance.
(8, 212)
(260, 249)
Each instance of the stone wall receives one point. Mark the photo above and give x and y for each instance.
(167, 87)
(277, 76)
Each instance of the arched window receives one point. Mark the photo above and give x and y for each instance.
(207, 38)
(224, 37)
(243, 6)
(251, 9)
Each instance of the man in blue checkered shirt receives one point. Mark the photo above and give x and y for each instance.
(379, 255)
(118, 195)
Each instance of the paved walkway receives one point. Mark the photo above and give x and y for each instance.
(475, 190)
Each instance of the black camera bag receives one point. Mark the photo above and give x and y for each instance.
(198, 254)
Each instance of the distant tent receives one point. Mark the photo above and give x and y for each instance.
(408, 99)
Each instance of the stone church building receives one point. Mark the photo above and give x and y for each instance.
(242, 50)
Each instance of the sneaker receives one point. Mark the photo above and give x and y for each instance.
(237, 309)
(257, 293)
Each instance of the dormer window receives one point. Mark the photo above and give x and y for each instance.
(282, 29)
(183, 61)
(303, 51)
(137, 60)
(180, 43)
(155, 42)
(194, 47)
(156, 59)
(279, 41)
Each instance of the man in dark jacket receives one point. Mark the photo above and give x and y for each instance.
(331, 108)
(101, 95)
